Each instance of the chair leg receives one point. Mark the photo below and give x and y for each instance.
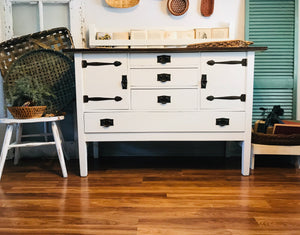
(5, 147)
(18, 141)
(62, 141)
(59, 149)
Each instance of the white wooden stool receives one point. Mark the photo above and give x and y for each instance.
(19, 123)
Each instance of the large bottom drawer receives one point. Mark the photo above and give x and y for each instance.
(164, 122)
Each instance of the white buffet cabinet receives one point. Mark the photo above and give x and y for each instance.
(179, 94)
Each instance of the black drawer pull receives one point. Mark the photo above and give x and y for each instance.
(124, 82)
(86, 99)
(163, 59)
(242, 97)
(163, 99)
(222, 121)
(106, 122)
(164, 77)
(203, 81)
(84, 63)
(243, 62)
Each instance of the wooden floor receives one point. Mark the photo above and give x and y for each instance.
(175, 196)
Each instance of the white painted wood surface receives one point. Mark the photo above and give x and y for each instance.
(58, 140)
(193, 118)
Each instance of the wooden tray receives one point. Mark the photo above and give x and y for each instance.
(122, 3)
(207, 7)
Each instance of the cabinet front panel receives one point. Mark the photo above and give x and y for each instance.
(113, 122)
(103, 78)
(164, 77)
(164, 99)
(162, 60)
(225, 85)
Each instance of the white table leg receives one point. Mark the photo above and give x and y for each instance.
(18, 141)
(59, 149)
(83, 163)
(246, 152)
(5, 147)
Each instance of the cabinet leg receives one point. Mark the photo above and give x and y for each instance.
(83, 163)
(5, 147)
(246, 155)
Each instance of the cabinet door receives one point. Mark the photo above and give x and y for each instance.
(223, 80)
(105, 81)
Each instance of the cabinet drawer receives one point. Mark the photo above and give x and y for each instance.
(164, 99)
(113, 122)
(164, 77)
(191, 60)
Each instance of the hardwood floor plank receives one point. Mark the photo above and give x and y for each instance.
(135, 199)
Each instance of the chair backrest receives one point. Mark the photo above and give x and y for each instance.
(56, 39)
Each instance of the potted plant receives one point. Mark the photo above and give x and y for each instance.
(28, 98)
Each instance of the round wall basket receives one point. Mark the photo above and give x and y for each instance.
(50, 68)
(178, 7)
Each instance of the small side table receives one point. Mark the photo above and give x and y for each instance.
(19, 124)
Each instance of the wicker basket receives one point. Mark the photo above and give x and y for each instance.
(27, 112)
(275, 139)
(56, 39)
(50, 68)
(221, 44)
(122, 3)
(178, 7)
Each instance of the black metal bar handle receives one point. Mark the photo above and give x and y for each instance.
(84, 63)
(242, 97)
(163, 99)
(86, 99)
(243, 62)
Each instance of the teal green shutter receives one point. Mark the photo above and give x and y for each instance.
(273, 23)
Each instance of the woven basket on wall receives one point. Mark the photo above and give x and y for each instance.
(178, 7)
(122, 3)
(27, 112)
(56, 39)
(50, 68)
